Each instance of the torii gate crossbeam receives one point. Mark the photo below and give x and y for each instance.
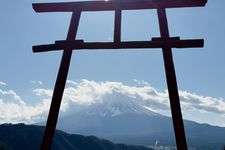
(165, 42)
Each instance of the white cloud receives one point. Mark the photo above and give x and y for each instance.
(14, 96)
(13, 109)
(36, 82)
(202, 103)
(141, 82)
(71, 82)
(43, 92)
(87, 92)
(2, 83)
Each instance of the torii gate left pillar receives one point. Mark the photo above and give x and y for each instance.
(60, 84)
(165, 42)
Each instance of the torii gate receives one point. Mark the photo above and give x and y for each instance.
(165, 42)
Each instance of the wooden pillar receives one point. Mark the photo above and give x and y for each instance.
(117, 26)
(172, 83)
(60, 84)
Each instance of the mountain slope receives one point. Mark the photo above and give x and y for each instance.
(28, 137)
(110, 117)
(125, 120)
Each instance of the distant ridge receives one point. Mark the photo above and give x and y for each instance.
(28, 137)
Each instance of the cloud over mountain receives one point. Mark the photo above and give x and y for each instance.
(86, 92)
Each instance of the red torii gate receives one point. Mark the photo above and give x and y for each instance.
(165, 42)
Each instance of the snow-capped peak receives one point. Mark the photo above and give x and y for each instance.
(118, 105)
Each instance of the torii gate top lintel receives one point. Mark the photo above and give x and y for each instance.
(115, 4)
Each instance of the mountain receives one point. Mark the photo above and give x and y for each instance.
(120, 120)
(28, 137)
(127, 121)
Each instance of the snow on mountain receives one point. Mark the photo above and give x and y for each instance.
(112, 107)
(115, 116)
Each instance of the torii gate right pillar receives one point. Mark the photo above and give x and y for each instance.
(172, 82)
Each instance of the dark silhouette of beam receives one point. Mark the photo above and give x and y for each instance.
(60, 85)
(155, 43)
(115, 4)
(117, 26)
(172, 83)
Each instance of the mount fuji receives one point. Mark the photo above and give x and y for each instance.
(125, 120)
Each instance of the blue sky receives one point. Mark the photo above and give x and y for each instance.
(200, 71)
